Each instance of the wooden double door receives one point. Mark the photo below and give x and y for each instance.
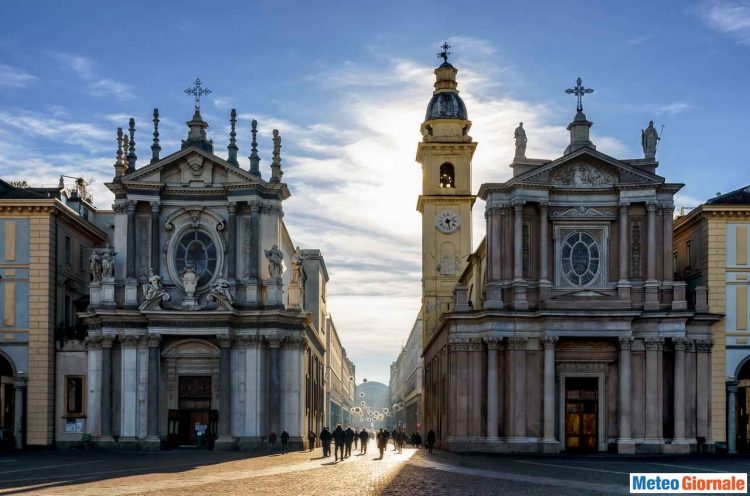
(194, 423)
(581, 413)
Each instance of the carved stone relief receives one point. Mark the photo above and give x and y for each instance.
(582, 175)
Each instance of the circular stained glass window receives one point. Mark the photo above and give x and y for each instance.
(580, 258)
(196, 248)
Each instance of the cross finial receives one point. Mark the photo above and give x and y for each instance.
(197, 91)
(444, 54)
(579, 91)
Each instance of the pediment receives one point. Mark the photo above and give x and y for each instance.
(192, 168)
(588, 169)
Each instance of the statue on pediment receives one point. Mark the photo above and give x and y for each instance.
(649, 140)
(153, 291)
(520, 136)
(95, 266)
(297, 266)
(221, 292)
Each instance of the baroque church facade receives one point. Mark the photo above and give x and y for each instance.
(205, 326)
(565, 329)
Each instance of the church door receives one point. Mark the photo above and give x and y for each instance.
(581, 411)
(192, 424)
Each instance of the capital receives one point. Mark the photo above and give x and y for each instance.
(626, 343)
(107, 340)
(254, 206)
(653, 344)
(155, 207)
(154, 340)
(131, 206)
(543, 205)
(651, 206)
(492, 342)
(225, 340)
(517, 205)
(549, 342)
(679, 344)
(624, 207)
(274, 341)
(518, 343)
(129, 340)
(93, 341)
(231, 207)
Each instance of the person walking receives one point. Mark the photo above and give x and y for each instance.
(348, 440)
(364, 437)
(325, 441)
(430, 440)
(284, 442)
(272, 441)
(339, 437)
(382, 439)
(417, 440)
(356, 438)
(311, 440)
(394, 437)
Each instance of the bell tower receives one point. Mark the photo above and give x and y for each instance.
(445, 154)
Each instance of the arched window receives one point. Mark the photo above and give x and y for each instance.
(447, 176)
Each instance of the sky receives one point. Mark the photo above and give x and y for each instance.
(347, 84)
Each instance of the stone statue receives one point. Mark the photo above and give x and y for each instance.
(153, 288)
(275, 258)
(95, 266)
(189, 280)
(108, 262)
(221, 291)
(521, 140)
(296, 266)
(649, 140)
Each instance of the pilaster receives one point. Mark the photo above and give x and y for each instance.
(625, 443)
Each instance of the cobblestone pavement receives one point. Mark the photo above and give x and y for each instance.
(411, 473)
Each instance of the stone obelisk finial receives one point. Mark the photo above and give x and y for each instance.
(132, 157)
(232, 148)
(155, 147)
(276, 171)
(254, 157)
(120, 165)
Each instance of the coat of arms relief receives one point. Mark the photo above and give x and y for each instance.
(582, 175)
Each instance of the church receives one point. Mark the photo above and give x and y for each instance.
(206, 325)
(565, 329)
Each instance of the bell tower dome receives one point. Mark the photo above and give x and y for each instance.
(445, 154)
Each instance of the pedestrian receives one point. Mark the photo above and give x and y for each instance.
(348, 440)
(418, 440)
(356, 438)
(311, 440)
(400, 440)
(364, 437)
(284, 442)
(339, 437)
(325, 441)
(430, 440)
(382, 439)
(272, 441)
(394, 436)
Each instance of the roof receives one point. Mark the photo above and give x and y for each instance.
(10, 192)
(737, 197)
(446, 105)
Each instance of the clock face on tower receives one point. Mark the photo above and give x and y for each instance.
(447, 222)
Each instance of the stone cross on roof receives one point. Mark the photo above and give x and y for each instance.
(197, 91)
(444, 54)
(579, 91)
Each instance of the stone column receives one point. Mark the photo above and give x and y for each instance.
(518, 345)
(155, 233)
(625, 442)
(106, 413)
(152, 424)
(492, 400)
(651, 286)
(131, 254)
(623, 285)
(519, 284)
(549, 343)
(19, 403)
(252, 297)
(232, 242)
(703, 375)
(668, 216)
(679, 391)
(731, 415)
(128, 387)
(494, 215)
(653, 348)
(274, 384)
(544, 282)
(225, 441)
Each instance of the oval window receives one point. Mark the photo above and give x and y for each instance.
(580, 258)
(196, 248)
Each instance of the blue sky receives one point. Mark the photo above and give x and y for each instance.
(347, 83)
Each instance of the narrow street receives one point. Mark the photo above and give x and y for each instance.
(413, 472)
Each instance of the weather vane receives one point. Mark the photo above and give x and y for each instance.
(197, 90)
(444, 54)
(579, 91)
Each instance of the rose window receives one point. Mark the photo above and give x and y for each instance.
(580, 258)
(196, 248)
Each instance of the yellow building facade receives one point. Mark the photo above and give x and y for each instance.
(711, 254)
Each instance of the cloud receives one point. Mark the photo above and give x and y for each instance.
(97, 86)
(672, 108)
(729, 17)
(638, 40)
(14, 77)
